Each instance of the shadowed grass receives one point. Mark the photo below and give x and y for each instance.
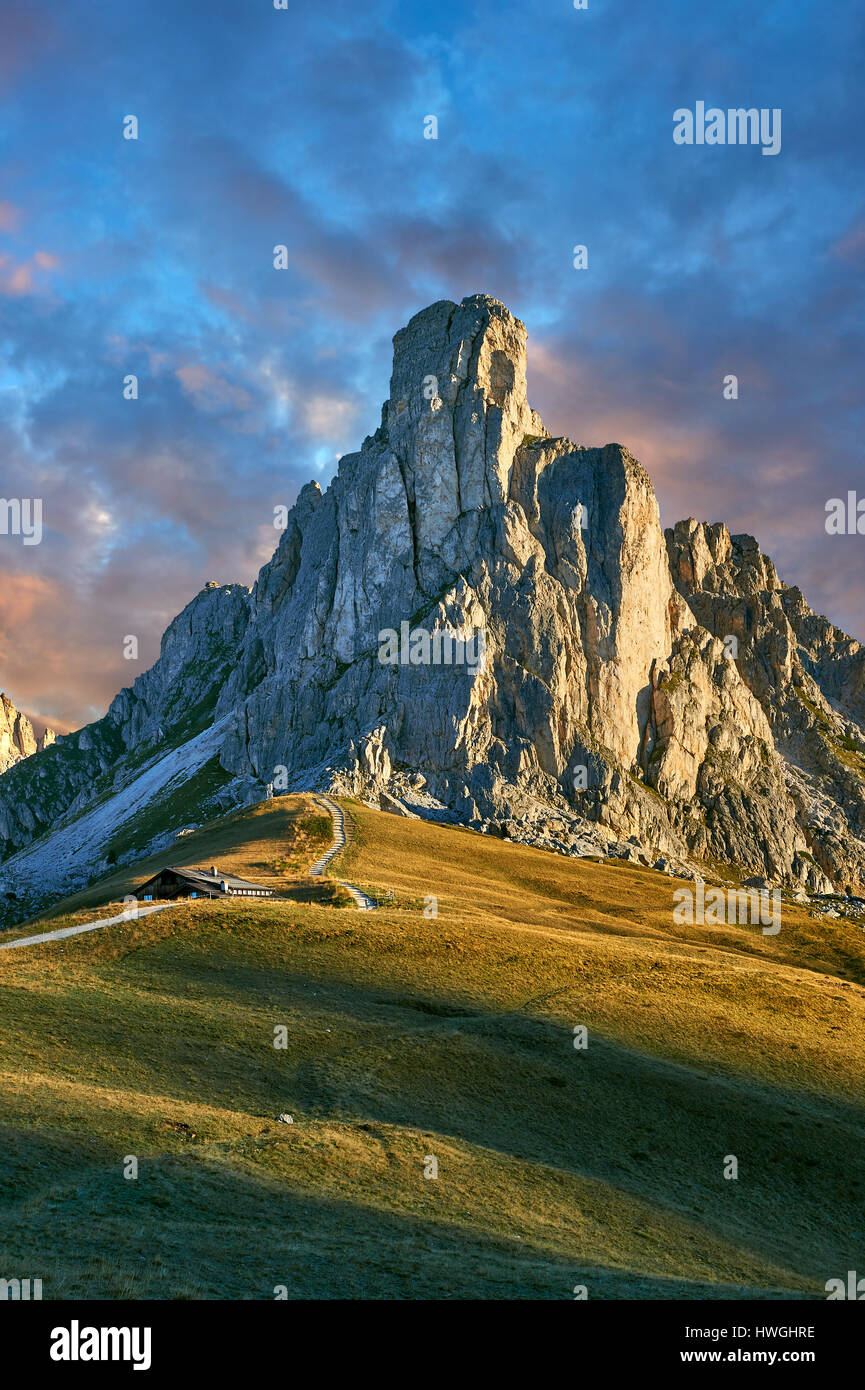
(410, 1037)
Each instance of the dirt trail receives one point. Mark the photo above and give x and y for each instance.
(128, 915)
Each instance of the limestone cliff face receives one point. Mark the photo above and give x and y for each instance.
(809, 681)
(611, 705)
(17, 738)
(461, 511)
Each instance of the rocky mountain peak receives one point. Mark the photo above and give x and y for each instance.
(708, 557)
(658, 695)
(17, 737)
(467, 363)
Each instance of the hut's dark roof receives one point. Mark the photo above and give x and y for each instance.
(204, 879)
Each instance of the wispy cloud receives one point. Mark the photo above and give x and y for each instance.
(305, 129)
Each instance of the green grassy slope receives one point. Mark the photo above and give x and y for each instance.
(412, 1036)
(272, 844)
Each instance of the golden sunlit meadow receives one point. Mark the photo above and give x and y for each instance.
(412, 1037)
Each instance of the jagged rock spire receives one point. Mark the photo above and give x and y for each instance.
(667, 689)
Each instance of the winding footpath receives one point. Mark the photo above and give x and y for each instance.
(128, 915)
(337, 815)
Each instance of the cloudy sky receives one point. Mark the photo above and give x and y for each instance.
(305, 127)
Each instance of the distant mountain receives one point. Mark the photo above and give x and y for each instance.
(17, 737)
(659, 696)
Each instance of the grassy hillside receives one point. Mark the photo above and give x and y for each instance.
(273, 844)
(413, 1036)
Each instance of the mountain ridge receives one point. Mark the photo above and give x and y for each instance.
(18, 738)
(661, 696)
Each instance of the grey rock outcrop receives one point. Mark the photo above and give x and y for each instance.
(17, 737)
(809, 679)
(166, 706)
(604, 710)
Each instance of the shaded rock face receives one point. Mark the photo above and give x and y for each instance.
(167, 705)
(609, 705)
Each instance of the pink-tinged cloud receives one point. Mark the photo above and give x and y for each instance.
(229, 301)
(24, 596)
(10, 217)
(21, 279)
(688, 459)
(772, 485)
(211, 392)
(575, 400)
(851, 246)
(27, 36)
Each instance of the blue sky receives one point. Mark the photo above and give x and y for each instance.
(305, 127)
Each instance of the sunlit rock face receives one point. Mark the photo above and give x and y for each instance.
(663, 692)
(17, 737)
(808, 678)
